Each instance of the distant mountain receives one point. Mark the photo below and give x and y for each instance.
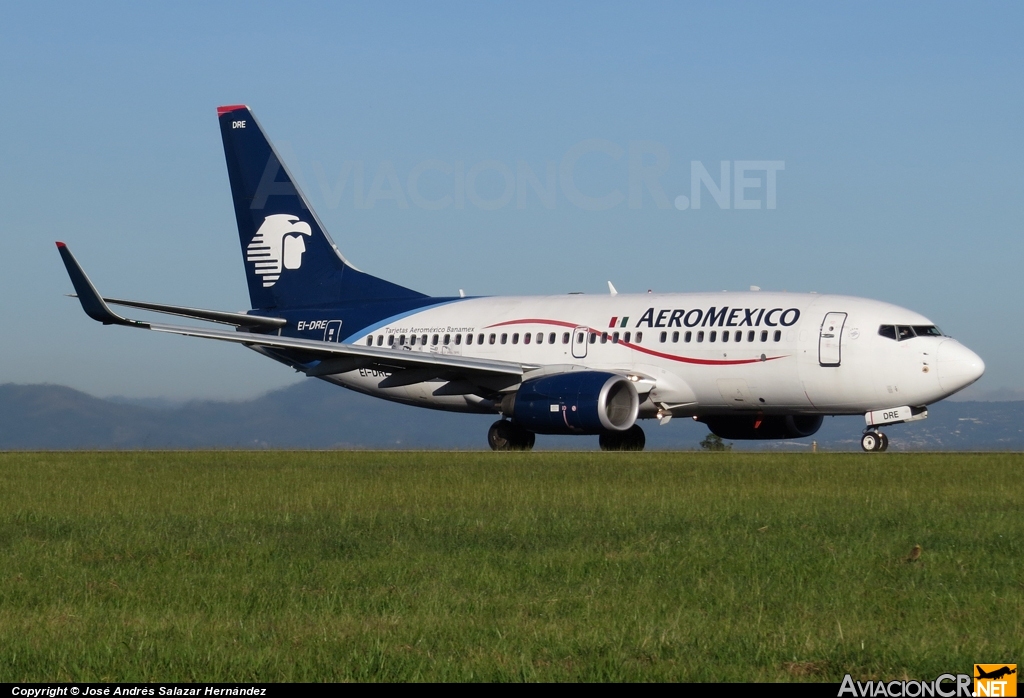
(314, 414)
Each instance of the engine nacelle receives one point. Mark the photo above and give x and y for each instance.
(578, 402)
(747, 427)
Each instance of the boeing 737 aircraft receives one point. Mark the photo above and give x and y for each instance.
(751, 365)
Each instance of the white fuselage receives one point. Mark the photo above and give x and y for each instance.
(780, 356)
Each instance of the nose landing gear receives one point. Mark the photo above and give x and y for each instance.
(874, 441)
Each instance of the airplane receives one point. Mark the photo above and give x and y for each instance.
(995, 673)
(749, 365)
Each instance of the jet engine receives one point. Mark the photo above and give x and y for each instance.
(578, 402)
(750, 426)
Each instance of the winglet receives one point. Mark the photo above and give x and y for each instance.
(92, 303)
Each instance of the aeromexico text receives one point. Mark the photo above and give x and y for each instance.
(717, 317)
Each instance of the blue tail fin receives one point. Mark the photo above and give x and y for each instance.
(290, 261)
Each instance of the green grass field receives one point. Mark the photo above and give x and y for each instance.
(331, 566)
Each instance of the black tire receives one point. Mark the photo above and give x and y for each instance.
(500, 436)
(633, 439)
(610, 441)
(870, 441)
(883, 442)
(506, 436)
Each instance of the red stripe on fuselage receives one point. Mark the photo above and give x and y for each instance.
(644, 350)
(535, 321)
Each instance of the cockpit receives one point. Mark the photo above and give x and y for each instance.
(903, 332)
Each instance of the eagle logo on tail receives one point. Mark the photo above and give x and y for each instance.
(277, 245)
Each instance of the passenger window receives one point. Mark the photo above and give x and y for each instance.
(447, 339)
(700, 336)
(515, 338)
(458, 338)
(713, 335)
(380, 340)
(778, 335)
(675, 337)
(593, 337)
(663, 336)
(504, 337)
(625, 338)
(401, 340)
(687, 337)
(750, 336)
(540, 338)
(579, 338)
(738, 337)
(604, 338)
(480, 339)
(412, 340)
(433, 340)
(639, 337)
(369, 340)
(469, 339)
(490, 340)
(423, 340)
(526, 338)
(725, 336)
(904, 332)
(565, 338)
(391, 340)
(551, 338)
(764, 335)
(615, 337)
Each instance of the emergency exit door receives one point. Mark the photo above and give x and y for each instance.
(830, 339)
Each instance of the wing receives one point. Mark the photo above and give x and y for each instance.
(319, 358)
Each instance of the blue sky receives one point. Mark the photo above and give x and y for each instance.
(898, 127)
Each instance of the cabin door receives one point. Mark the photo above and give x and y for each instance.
(830, 339)
(332, 333)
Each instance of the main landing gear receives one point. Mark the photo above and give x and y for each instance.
(632, 439)
(506, 436)
(874, 441)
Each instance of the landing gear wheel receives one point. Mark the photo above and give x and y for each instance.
(874, 441)
(632, 439)
(506, 436)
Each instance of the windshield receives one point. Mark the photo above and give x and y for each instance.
(902, 332)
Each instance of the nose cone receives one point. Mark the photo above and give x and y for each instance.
(957, 366)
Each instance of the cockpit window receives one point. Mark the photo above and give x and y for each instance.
(901, 332)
